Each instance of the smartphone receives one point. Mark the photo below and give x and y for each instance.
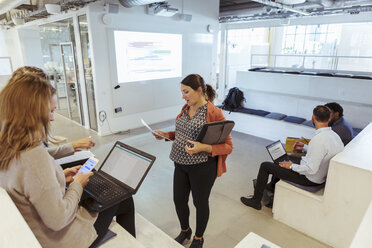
(88, 165)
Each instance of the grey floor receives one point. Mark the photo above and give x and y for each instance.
(230, 221)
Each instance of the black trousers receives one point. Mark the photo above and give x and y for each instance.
(274, 179)
(277, 173)
(124, 212)
(197, 179)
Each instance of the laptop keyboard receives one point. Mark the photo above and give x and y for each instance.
(103, 190)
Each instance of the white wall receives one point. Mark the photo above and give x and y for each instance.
(10, 46)
(3, 53)
(3, 50)
(31, 47)
(14, 47)
(22, 46)
(155, 100)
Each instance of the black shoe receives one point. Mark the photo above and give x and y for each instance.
(251, 203)
(197, 243)
(269, 205)
(268, 199)
(183, 236)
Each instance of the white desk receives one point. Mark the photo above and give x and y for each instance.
(253, 240)
(13, 228)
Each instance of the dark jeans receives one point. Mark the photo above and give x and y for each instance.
(124, 212)
(198, 179)
(277, 173)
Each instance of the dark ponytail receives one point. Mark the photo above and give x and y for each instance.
(194, 81)
(210, 93)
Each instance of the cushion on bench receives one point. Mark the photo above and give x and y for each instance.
(362, 77)
(276, 116)
(277, 71)
(308, 123)
(260, 112)
(256, 68)
(312, 189)
(325, 74)
(294, 119)
(344, 75)
(292, 72)
(313, 73)
(245, 110)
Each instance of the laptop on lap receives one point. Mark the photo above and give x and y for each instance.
(277, 152)
(119, 177)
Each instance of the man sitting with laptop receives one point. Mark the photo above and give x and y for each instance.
(312, 169)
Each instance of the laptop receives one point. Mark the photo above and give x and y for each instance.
(277, 152)
(119, 177)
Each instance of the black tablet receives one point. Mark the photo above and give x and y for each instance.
(214, 133)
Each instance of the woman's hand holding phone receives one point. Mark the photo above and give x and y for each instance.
(70, 173)
(84, 172)
(82, 178)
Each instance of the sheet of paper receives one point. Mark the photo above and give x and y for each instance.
(150, 129)
(75, 157)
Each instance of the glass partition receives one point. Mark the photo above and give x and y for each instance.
(59, 58)
(88, 76)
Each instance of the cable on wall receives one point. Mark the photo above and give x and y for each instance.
(102, 116)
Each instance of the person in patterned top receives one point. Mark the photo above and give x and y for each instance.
(196, 165)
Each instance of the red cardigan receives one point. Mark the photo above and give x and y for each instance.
(220, 150)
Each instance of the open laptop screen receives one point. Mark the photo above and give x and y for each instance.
(276, 150)
(126, 165)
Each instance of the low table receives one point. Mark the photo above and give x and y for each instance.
(253, 240)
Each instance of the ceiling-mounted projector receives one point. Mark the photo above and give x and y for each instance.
(52, 8)
(161, 9)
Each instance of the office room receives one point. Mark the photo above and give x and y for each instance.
(117, 66)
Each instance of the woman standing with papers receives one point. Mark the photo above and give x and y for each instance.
(196, 165)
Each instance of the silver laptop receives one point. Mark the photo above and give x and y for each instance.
(120, 176)
(277, 152)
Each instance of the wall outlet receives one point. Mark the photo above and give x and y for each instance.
(118, 110)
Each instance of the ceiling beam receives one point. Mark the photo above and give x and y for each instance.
(27, 6)
(10, 4)
(282, 6)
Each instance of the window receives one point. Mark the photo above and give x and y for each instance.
(311, 39)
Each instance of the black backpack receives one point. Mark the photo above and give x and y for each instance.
(233, 100)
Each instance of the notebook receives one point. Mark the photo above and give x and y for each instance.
(290, 141)
(277, 152)
(213, 133)
(119, 177)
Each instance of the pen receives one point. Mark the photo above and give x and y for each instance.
(306, 140)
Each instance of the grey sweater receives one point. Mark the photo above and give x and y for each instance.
(61, 151)
(36, 185)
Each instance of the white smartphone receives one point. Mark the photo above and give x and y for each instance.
(88, 165)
